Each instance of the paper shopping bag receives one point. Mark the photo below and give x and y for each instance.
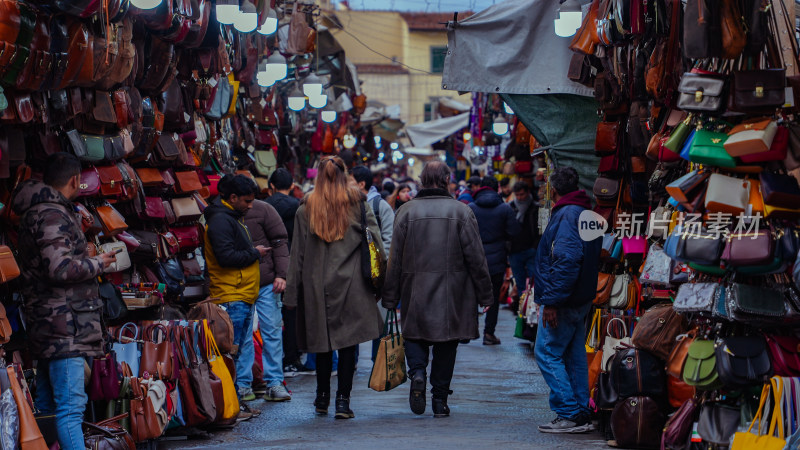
(389, 370)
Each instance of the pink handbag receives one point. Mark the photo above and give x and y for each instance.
(634, 245)
(90, 183)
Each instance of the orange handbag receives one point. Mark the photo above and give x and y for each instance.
(150, 177)
(112, 221)
(586, 39)
(30, 437)
(8, 265)
(188, 182)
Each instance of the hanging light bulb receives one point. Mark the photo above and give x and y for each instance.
(349, 141)
(312, 85)
(507, 108)
(500, 126)
(227, 11)
(328, 114)
(247, 19)
(317, 101)
(145, 4)
(394, 146)
(276, 66)
(297, 101)
(271, 24)
(378, 143)
(569, 18)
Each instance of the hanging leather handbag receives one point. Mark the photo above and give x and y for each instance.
(702, 33)
(607, 138)
(150, 177)
(708, 148)
(612, 344)
(218, 320)
(678, 136)
(153, 209)
(605, 282)
(170, 273)
(727, 194)
(192, 414)
(30, 438)
(751, 137)
(679, 426)
(657, 267)
(749, 249)
(142, 414)
(743, 361)
(200, 375)
(110, 181)
(605, 191)
(187, 182)
(755, 304)
(755, 91)
(166, 149)
(695, 297)
(637, 422)
(678, 392)
(700, 368)
(733, 33)
(90, 183)
(86, 147)
(777, 150)
(701, 93)
(122, 261)
(637, 372)
(113, 305)
(717, 423)
(108, 435)
(156, 357)
(619, 292)
(188, 238)
(657, 329)
(779, 190)
(185, 209)
(126, 348)
(785, 354)
(700, 247)
(687, 186)
(104, 381)
(112, 221)
(586, 39)
(792, 160)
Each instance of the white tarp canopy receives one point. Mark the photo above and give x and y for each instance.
(426, 133)
(510, 48)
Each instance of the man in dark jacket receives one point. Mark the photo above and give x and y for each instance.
(473, 184)
(62, 306)
(498, 224)
(565, 280)
(232, 261)
(267, 229)
(522, 252)
(437, 272)
(281, 183)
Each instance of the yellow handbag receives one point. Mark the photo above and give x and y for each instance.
(235, 89)
(748, 440)
(217, 365)
(594, 337)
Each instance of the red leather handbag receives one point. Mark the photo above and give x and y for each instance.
(188, 237)
(784, 352)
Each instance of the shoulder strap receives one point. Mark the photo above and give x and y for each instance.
(376, 205)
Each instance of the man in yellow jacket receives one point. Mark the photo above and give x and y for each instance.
(233, 269)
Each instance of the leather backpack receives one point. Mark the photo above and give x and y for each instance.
(637, 372)
(219, 322)
(637, 422)
(657, 329)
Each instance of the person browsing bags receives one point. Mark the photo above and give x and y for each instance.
(565, 280)
(438, 275)
(232, 262)
(335, 303)
(62, 306)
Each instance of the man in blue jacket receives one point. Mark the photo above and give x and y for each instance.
(497, 224)
(565, 281)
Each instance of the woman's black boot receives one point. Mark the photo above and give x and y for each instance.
(343, 410)
(322, 402)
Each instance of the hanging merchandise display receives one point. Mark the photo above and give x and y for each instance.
(697, 134)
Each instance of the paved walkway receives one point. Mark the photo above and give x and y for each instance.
(499, 398)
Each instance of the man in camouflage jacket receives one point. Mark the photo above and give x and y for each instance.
(62, 307)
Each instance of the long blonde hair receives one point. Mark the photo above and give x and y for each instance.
(328, 205)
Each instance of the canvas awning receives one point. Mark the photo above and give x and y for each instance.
(510, 48)
(426, 133)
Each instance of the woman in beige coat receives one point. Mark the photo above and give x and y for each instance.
(336, 308)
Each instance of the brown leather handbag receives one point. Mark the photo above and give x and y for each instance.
(586, 39)
(678, 354)
(192, 414)
(733, 35)
(156, 357)
(185, 209)
(77, 53)
(657, 329)
(110, 181)
(678, 392)
(39, 62)
(607, 138)
(5, 326)
(218, 320)
(637, 422)
(108, 435)
(141, 413)
(199, 377)
(150, 177)
(112, 221)
(605, 281)
(187, 182)
(30, 437)
(9, 269)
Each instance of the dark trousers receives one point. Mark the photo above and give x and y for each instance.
(347, 368)
(491, 314)
(290, 352)
(444, 360)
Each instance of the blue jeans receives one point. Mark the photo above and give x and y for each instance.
(241, 314)
(561, 356)
(59, 391)
(522, 267)
(268, 308)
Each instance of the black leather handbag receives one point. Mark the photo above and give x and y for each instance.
(637, 372)
(743, 360)
(606, 393)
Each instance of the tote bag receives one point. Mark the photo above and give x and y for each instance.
(389, 370)
(218, 367)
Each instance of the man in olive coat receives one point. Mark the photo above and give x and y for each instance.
(438, 275)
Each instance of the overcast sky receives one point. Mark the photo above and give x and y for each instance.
(424, 5)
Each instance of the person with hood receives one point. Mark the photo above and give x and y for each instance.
(232, 262)
(498, 224)
(522, 252)
(335, 302)
(62, 307)
(473, 184)
(438, 275)
(565, 277)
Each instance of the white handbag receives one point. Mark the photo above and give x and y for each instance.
(749, 138)
(612, 344)
(727, 194)
(619, 292)
(123, 260)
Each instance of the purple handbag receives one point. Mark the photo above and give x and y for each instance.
(634, 245)
(105, 378)
(153, 209)
(90, 183)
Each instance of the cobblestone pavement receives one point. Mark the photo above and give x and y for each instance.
(499, 398)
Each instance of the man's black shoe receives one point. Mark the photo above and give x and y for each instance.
(440, 408)
(490, 339)
(416, 398)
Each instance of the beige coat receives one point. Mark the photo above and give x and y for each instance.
(335, 305)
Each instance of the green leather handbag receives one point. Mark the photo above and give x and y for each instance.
(700, 369)
(707, 148)
(678, 136)
(95, 148)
